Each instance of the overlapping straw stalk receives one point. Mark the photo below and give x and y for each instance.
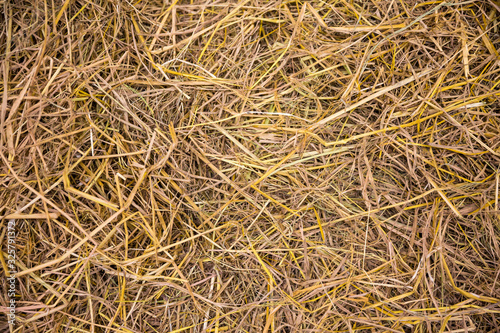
(251, 166)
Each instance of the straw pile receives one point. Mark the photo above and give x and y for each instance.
(251, 166)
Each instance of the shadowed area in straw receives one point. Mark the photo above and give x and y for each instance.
(251, 166)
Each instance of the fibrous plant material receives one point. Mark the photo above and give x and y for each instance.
(250, 166)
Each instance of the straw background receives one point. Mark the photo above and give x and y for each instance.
(251, 166)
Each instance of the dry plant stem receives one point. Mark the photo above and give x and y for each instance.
(250, 166)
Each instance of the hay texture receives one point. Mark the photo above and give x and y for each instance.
(251, 166)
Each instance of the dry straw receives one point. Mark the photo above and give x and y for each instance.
(251, 166)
